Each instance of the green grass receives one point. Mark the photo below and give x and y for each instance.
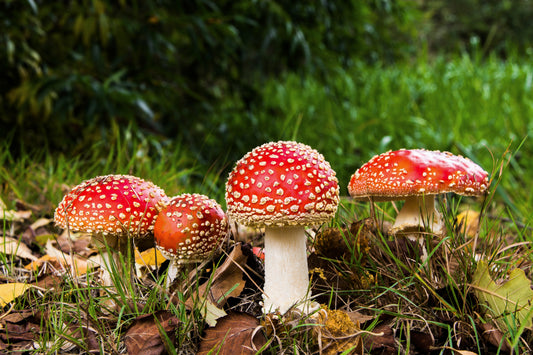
(481, 110)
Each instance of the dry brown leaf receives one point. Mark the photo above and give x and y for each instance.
(41, 222)
(20, 330)
(384, 341)
(14, 246)
(495, 337)
(71, 263)
(144, 336)
(234, 334)
(14, 216)
(8, 292)
(227, 280)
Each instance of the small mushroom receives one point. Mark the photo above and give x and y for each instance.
(416, 176)
(115, 209)
(188, 230)
(283, 186)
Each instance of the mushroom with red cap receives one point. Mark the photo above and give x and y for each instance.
(114, 209)
(189, 229)
(416, 176)
(283, 186)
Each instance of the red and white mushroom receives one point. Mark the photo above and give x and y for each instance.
(283, 186)
(189, 229)
(114, 209)
(416, 176)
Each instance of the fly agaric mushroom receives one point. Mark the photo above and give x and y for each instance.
(283, 186)
(189, 229)
(114, 209)
(416, 176)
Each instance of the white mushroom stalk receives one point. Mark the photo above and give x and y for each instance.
(286, 272)
(419, 211)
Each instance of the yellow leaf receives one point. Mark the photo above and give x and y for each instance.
(8, 292)
(468, 221)
(149, 257)
(77, 265)
(509, 302)
(14, 246)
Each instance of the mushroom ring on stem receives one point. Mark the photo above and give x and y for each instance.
(188, 230)
(416, 176)
(283, 186)
(114, 209)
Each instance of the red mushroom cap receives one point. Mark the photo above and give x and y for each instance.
(190, 228)
(282, 183)
(396, 174)
(111, 205)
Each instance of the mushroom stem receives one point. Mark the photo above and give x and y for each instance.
(286, 273)
(172, 272)
(419, 211)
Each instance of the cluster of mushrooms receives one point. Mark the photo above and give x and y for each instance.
(279, 186)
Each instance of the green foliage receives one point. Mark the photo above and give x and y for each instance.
(488, 26)
(72, 68)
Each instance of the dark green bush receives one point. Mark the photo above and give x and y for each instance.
(72, 68)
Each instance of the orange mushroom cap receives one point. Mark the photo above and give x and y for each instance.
(406, 172)
(190, 228)
(282, 183)
(111, 205)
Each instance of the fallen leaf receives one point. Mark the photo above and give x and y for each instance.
(227, 281)
(41, 222)
(495, 337)
(423, 342)
(75, 264)
(14, 216)
(8, 292)
(144, 336)
(13, 246)
(507, 302)
(149, 257)
(236, 333)
(381, 339)
(20, 330)
(468, 222)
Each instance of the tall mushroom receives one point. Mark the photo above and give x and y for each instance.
(189, 229)
(416, 176)
(283, 186)
(115, 209)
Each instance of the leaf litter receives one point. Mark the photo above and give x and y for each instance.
(223, 292)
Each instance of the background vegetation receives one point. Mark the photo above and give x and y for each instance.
(218, 78)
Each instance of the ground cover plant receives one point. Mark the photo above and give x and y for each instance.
(377, 295)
